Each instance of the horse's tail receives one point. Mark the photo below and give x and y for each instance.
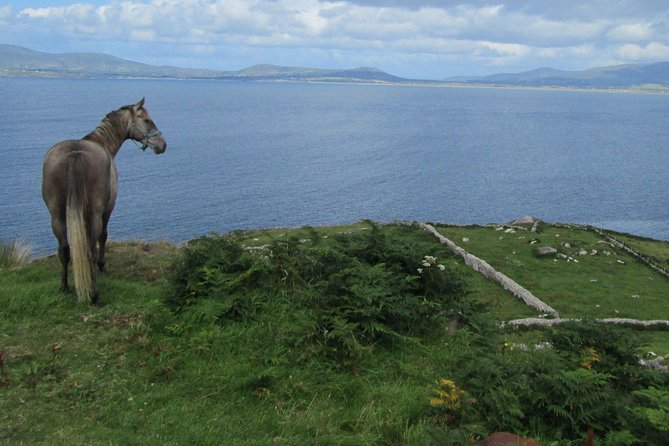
(77, 231)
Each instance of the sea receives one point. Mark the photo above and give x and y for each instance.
(249, 155)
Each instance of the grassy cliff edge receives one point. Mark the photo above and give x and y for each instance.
(356, 334)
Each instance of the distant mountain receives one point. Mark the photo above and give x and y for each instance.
(19, 61)
(274, 72)
(616, 76)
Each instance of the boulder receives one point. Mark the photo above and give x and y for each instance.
(527, 220)
(546, 251)
(507, 439)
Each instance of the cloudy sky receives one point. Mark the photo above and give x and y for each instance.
(413, 38)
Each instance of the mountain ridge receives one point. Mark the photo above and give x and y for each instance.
(20, 61)
(613, 76)
(25, 62)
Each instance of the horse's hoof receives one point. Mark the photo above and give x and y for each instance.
(101, 267)
(95, 300)
(64, 289)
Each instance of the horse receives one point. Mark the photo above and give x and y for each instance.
(79, 186)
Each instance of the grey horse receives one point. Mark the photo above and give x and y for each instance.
(79, 185)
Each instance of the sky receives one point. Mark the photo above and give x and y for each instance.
(419, 39)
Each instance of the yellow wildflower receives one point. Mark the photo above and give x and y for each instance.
(446, 395)
(590, 356)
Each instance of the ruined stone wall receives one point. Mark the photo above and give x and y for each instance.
(529, 299)
(491, 273)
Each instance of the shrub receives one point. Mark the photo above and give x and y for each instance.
(365, 290)
(651, 413)
(590, 377)
(359, 290)
(216, 268)
(602, 348)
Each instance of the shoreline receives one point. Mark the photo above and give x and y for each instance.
(408, 83)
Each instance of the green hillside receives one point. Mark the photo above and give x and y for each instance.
(358, 334)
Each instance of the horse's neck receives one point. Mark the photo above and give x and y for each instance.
(110, 134)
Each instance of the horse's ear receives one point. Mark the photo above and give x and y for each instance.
(139, 104)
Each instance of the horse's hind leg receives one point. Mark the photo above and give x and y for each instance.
(102, 241)
(95, 234)
(59, 231)
(64, 256)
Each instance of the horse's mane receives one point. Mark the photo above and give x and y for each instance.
(111, 130)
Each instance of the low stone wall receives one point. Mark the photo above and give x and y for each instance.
(491, 273)
(529, 299)
(618, 244)
(530, 322)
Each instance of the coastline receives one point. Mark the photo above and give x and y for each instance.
(45, 74)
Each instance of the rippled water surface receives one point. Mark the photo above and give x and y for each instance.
(253, 155)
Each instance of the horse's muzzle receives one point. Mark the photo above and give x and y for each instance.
(159, 149)
(159, 145)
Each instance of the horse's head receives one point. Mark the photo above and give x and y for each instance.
(144, 130)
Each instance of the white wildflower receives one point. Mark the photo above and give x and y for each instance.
(420, 270)
(441, 267)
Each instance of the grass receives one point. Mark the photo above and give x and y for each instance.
(593, 280)
(135, 372)
(656, 250)
(14, 254)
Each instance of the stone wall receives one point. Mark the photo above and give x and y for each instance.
(491, 273)
(529, 299)
(618, 244)
(657, 324)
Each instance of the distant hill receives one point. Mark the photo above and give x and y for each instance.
(274, 72)
(616, 76)
(19, 61)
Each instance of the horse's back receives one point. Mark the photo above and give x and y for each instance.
(100, 174)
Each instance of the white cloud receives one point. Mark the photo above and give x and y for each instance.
(630, 32)
(652, 52)
(74, 13)
(5, 13)
(523, 33)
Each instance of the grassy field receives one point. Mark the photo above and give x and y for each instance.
(590, 278)
(257, 371)
(657, 251)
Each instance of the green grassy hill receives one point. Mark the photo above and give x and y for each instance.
(359, 334)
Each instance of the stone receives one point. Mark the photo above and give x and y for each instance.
(527, 220)
(546, 251)
(506, 439)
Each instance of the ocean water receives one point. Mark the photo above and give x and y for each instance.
(256, 155)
